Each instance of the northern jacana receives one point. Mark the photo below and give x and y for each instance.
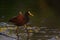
(21, 20)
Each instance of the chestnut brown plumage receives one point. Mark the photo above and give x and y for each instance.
(21, 19)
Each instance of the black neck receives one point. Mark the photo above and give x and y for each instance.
(27, 16)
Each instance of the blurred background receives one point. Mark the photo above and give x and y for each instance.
(46, 12)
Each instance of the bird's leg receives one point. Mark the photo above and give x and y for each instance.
(25, 26)
(17, 32)
(26, 31)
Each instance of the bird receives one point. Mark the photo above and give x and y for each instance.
(21, 19)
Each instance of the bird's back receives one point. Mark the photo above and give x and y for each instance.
(19, 20)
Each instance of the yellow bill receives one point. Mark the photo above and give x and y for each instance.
(30, 13)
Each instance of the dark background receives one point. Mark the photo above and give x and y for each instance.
(46, 12)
